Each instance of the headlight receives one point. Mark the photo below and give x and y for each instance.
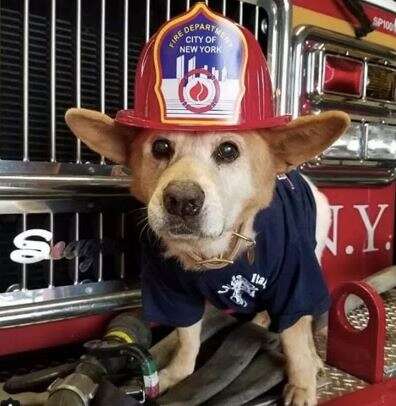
(381, 142)
(349, 146)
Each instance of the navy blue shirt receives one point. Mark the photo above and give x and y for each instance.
(285, 278)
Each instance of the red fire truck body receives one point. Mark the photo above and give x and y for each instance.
(84, 54)
(356, 249)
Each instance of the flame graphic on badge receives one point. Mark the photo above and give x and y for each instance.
(199, 92)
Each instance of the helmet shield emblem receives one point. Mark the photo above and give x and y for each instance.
(200, 61)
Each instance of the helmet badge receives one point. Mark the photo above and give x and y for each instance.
(200, 62)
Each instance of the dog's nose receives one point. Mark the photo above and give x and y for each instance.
(183, 198)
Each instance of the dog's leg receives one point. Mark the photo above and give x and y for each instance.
(301, 368)
(183, 362)
(163, 350)
(317, 360)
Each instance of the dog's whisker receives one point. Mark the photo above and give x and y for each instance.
(138, 209)
(146, 228)
(142, 220)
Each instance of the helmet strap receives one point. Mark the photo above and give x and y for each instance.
(222, 261)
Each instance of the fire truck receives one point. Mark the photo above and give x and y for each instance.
(69, 238)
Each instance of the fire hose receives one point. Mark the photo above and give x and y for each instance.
(123, 348)
(243, 351)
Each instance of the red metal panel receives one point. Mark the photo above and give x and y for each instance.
(358, 352)
(383, 20)
(360, 241)
(51, 334)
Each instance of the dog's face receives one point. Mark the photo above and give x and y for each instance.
(197, 186)
(200, 186)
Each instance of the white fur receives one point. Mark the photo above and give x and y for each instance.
(227, 188)
(323, 218)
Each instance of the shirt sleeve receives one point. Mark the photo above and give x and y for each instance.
(168, 295)
(298, 290)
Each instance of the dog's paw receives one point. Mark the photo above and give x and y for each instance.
(166, 381)
(295, 396)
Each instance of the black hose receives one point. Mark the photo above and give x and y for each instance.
(38, 381)
(64, 397)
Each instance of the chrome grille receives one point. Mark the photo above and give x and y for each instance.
(56, 54)
(109, 223)
(367, 153)
(92, 279)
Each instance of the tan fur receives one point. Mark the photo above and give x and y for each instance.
(300, 364)
(182, 363)
(265, 154)
(305, 138)
(94, 128)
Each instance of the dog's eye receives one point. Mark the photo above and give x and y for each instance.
(162, 149)
(226, 152)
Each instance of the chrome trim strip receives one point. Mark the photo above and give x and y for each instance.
(256, 21)
(339, 175)
(100, 265)
(125, 67)
(365, 79)
(53, 82)
(280, 22)
(51, 261)
(241, 12)
(37, 177)
(82, 204)
(94, 298)
(168, 9)
(26, 80)
(224, 7)
(77, 238)
(366, 130)
(78, 71)
(58, 184)
(147, 20)
(103, 62)
(24, 266)
(11, 168)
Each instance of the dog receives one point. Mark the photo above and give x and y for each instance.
(228, 200)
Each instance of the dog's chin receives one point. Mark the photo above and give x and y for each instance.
(185, 232)
(181, 231)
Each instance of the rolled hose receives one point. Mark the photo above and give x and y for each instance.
(38, 381)
(64, 397)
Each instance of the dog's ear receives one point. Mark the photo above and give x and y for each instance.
(100, 133)
(304, 138)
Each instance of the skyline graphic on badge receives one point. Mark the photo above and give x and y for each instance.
(200, 61)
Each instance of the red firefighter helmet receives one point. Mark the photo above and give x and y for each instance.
(202, 72)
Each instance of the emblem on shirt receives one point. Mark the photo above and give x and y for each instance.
(240, 286)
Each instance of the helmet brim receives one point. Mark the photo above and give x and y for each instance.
(129, 118)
